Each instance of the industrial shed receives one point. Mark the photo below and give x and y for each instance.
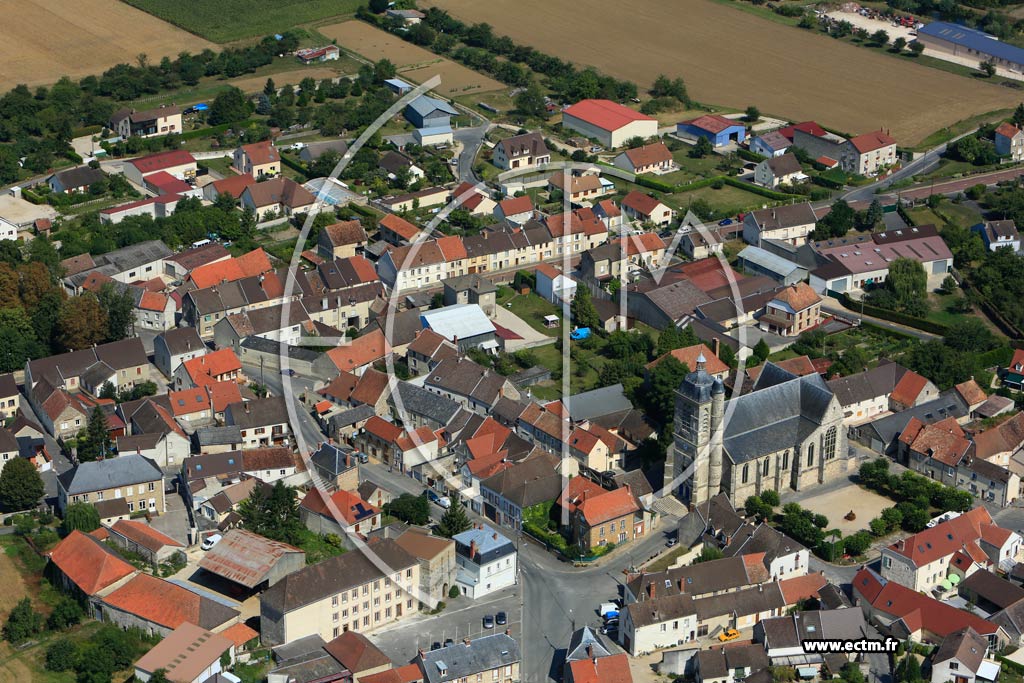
(251, 560)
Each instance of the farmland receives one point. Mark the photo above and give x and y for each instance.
(229, 20)
(89, 40)
(414, 63)
(783, 70)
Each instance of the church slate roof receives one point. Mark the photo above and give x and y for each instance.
(778, 411)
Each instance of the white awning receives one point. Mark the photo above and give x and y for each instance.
(489, 345)
(988, 670)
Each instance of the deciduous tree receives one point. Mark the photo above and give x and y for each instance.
(21, 487)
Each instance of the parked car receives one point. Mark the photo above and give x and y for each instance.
(448, 641)
(489, 621)
(607, 608)
(672, 541)
(725, 221)
(363, 457)
(435, 646)
(501, 618)
(443, 501)
(210, 541)
(612, 631)
(728, 634)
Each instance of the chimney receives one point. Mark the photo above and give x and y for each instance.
(188, 346)
(651, 590)
(716, 346)
(472, 549)
(246, 404)
(495, 535)
(508, 632)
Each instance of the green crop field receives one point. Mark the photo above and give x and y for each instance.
(224, 21)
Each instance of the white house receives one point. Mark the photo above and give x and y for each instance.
(486, 561)
(554, 285)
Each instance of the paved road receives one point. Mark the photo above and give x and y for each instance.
(835, 308)
(960, 185)
(471, 139)
(921, 165)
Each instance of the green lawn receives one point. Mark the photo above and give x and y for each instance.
(221, 165)
(940, 311)
(532, 308)
(727, 201)
(958, 214)
(691, 169)
(227, 20)
(922, 215)
(666, 560)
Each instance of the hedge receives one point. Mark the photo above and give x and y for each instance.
(31, 197)
(763, 191)
(1000, 356)
(749, 156)
(1013, 666)
(825, 181)
(644, 181)
(293, 164)
(891, 316)
(86, 130)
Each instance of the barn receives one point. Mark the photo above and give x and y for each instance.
(719, 130)
(953, 42)
(608, 122)
(429, 112)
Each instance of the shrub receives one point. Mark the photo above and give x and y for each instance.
(67, 612)
(857, 544)
(454, 592)
(60, 655)
(22, 623)
(770, 497)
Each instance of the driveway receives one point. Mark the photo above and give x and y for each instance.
(511, 321)
(175, 521)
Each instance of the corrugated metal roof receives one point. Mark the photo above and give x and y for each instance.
(973, 39)
(767, 260)
(245, 557)
(460, 320)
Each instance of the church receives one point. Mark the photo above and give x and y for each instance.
(786, 433)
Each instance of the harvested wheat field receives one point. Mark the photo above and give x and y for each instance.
(42, 40)
(413, 62)
(735, 59)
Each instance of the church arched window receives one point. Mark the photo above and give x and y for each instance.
(785, 461)
(746, 472)
(764, 468)
(810, 455)
(829, 450)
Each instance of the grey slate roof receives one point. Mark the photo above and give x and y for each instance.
(784, 413)
(79, 177)
(766, 260)
(424, 105)
(878, 381)
(100, 475)
(259, 413)
(181, 340)
(418, 401)
(352, 416)
(135, 255)
(598, 402)
(218, 436)
(715, 517)
(334, 459)
(885, 429)
(585, 644)
(264, 345)
(762, 539)
(462, 661)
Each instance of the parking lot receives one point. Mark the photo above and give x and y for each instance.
(872, 25)
(462, 618)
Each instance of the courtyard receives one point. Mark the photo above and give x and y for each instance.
(835, 504)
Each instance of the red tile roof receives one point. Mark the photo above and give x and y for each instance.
(188, 401)
(995, 535)
(516, 205)
(869, 142)
(345, 233)
(908, 388)
(408, 441)
(213, 364)
(712, 123)
(452, 248)
(88, 563)
(239, 634)
(918, 611)
(360, 351)
(943, 441)
(1007, 129)
(971, 392)
(399, 226)
(349, 505)
(605, 114)
(809, 127)
(158, 601)
(576, 491)
(164, 183)
(144, 535)
(799, 296)
(223, 394)
(162, 160)
(648, 155)
(356, 653)
(370, 387)
(609, 505)
(688, 356)
(643, 243)
(382, 429)
(234, 185)
(261, 153)
(641, 203)
(801, 587)
(943, 539)
(611, 669)
(256, 262)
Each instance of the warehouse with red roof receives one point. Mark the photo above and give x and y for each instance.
(610, 123)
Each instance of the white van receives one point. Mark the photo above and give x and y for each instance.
(200, 243)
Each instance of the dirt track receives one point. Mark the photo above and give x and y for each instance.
(42, 40)
(413, 62)
(734, 58)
